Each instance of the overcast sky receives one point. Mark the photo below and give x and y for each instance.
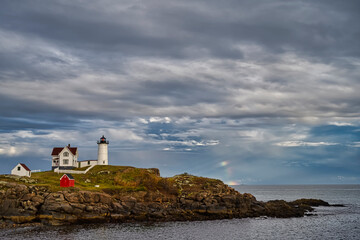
(251, 92)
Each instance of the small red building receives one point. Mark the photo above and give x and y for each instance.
(67, 180)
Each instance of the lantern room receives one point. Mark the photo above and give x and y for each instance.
(103, 140)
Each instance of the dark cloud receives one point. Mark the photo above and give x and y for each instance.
(168, 29)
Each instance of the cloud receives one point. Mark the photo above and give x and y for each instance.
(342, 179)
(341, 124)
(195, 95)
(12, 151)
(137, 58)
(160, 119)
(304, 144)
(252, 134)
(122, 135)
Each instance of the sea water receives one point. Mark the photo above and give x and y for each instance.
(328, 223)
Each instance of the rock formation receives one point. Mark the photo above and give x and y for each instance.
(182, 197)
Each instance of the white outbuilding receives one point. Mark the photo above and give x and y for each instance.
(87, 163)
(21, 170)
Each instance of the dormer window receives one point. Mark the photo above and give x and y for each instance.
(65, 154)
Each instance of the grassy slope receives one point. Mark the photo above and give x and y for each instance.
(123, 179)
(107, 177)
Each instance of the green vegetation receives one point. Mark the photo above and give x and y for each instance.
(120, 179)
(114, 178)
(189, 184)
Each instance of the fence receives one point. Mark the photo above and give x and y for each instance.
(73, 171)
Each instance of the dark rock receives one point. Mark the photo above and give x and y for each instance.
(310, 202)
(66, 208)
(337, 205)
(89, 208)
(105, 199)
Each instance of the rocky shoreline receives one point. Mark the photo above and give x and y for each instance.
(190, 199)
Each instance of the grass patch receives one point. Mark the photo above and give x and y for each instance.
(117, 178)
(123, 179)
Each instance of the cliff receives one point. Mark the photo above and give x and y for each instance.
(131, 194)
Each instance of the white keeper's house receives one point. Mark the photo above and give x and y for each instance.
(67, 157)
(64, 157)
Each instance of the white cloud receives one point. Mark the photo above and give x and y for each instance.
(185, 120)
(122, 135)
(253, 134)
(160, 119)
(341, 124)
(20, 149)
(12, 151)
(142, 120)
(302, 144)
(197, 143)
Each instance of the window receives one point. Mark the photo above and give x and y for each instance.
(88, 162)
(65, 161)
(19, 168)
(65, 154)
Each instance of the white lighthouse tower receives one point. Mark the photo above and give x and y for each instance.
(102, 151)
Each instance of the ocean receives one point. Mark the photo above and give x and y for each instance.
(328, 223)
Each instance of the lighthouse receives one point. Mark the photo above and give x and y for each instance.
(102, 151)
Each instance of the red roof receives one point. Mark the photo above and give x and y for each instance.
(57, 150)
(24, 166)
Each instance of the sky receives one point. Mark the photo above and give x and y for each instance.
(249, 92)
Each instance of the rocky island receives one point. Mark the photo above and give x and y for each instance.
(128, 194)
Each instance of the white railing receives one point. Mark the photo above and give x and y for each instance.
(57, 170)
(36, 170)
(89, 168)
